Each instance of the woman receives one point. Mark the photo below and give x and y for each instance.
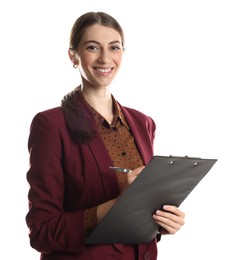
(72, 146)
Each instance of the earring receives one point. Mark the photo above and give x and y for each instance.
(75, 66)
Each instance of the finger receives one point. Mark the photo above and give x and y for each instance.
(173, 209)
(133, 174)
(169, 217)
(169, 221)
(168, 229)
(169, 226)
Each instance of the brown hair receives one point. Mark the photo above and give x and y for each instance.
(89, 19)
(79, 121)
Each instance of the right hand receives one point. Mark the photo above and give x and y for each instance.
(131, 176)
(102, 209)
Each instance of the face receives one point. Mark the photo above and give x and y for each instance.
(99, 55)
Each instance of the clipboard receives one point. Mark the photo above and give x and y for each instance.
(164, 180)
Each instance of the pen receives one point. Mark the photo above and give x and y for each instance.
(119, 169)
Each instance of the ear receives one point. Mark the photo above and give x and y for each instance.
(72, 56)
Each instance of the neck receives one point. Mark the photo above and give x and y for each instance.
(100, 100)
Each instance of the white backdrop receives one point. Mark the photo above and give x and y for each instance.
(178, 68)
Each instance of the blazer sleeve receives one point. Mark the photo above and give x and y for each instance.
(51, 228)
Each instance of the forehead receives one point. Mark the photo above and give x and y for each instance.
(101, 33)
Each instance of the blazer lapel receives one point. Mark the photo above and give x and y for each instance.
(103, 161)
(140, 134)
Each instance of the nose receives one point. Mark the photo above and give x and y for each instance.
(104, 56)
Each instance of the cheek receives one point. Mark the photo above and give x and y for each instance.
(118, 59)
(86, 60)
(85, 63)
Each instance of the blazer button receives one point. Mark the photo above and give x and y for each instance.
(147, 256)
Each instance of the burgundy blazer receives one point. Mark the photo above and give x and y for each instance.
(65, 178)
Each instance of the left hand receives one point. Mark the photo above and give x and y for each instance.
(171, 219)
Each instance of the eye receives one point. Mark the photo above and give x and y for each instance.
(93, 48)
(115, 48)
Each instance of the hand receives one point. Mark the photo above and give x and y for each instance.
(131, 176)
(171, 219)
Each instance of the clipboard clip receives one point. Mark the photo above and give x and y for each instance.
(186, 156)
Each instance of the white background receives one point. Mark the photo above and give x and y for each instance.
(178, 68)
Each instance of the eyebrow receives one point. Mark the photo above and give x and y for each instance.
(93, 41)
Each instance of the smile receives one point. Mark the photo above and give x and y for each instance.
(103, 70)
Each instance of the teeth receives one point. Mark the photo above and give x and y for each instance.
(103, 70)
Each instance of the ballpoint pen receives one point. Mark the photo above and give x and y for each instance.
(119, 169)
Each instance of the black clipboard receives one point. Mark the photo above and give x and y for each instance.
(164, 180)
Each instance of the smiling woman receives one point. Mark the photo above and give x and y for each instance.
(72, 147)
(99, 55)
